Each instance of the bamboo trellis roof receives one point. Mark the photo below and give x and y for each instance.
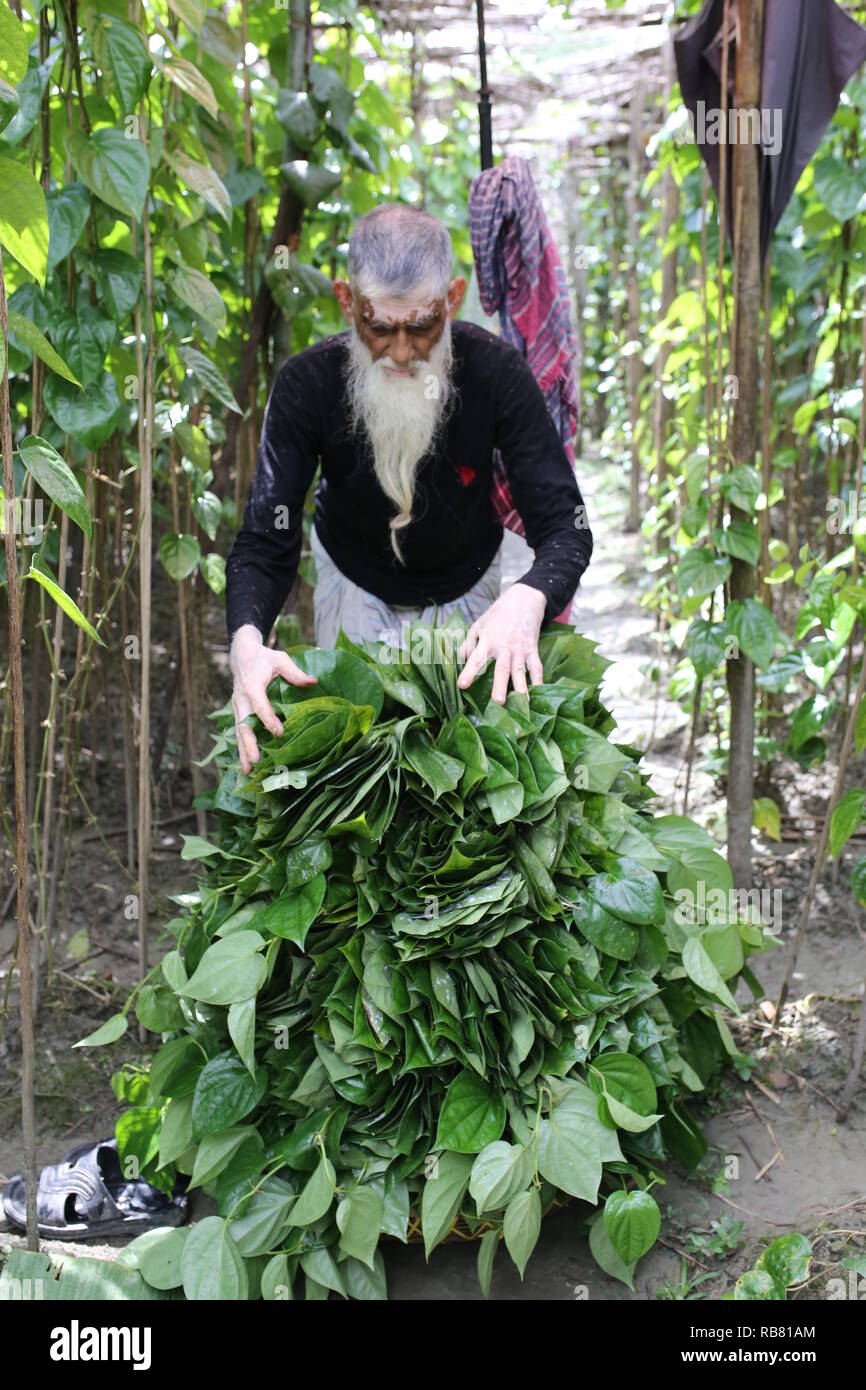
(562, 80)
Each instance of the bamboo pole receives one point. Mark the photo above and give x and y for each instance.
(145, 494)
(16, 699)
(635, 150)
(744, 434)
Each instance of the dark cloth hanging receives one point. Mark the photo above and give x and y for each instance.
(811, 50)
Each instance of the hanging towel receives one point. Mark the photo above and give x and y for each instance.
(520, 275)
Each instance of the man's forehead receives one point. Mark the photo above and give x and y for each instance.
(400, 311)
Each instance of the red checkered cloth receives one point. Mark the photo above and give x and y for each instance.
(520, 275)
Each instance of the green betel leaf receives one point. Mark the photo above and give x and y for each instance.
(27, 333)
(310, 183)
(55, 478)
(194, 847)
(68, 209)
(213, 568)
(840, 187)
(606, 1257)
(443, 1192)
(363, 1283)
(724, 946)
(119, 49)
(276, 1281)
(742, 487)
(629, 891)
(196, 291)
(109, 1032)
(186, 76)
(193, 444)
(700, 572)
(331, 97)
(224, 1093)
(180, 554)
(698, 871)
(120, 280)
(192, 12)
(625, 1078)
(359, 1217)
(242, 1031)
(472, 1115)
(157, 1008)
(741, 541)
(209, 377)
(705, 646)
(208, 511)
(316, 1198)
(568, 1154)
(211, 1264)
(175, 1136)
(62, 599)
(632, 1221)
(846, 818)
(500, 1171)
(13, 47)
(229, 971)
(263, 1221)
(607, 933)
(291, 916)
(766, 816)
(296, 115)
(860, 727)
(158, 1255)
(858, 881)
(10, 104)
(90, 416)
(522, 1227)
(84, 340)
(204, 181)
(114, 167)
(754, 629)
(700, 968)
(23, 217)
(487, 1248)
(216, 1151)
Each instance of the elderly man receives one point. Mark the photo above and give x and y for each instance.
(404, 412)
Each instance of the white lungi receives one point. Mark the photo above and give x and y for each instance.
(337, 602)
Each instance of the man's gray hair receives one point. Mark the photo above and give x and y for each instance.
(396, 251)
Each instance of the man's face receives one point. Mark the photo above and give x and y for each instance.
(400, 333)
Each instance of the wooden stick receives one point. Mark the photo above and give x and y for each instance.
(822, 843)
(16, 700)
(767, 1166)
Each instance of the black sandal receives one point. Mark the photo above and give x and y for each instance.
(86, 1195)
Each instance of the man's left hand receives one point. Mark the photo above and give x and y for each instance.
(508, 633)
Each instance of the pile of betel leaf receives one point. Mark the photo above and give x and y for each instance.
(435, 972)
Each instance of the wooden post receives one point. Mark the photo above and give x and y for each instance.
(670, 209)
(744, 434)
(16, 700)
(635, 153)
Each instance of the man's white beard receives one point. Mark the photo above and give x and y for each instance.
(402, 416)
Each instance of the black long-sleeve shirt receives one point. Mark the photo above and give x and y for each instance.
(454, 532)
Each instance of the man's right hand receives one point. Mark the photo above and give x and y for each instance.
(254, 666)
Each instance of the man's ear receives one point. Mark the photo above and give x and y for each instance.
(456, 291)
(343, 291)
